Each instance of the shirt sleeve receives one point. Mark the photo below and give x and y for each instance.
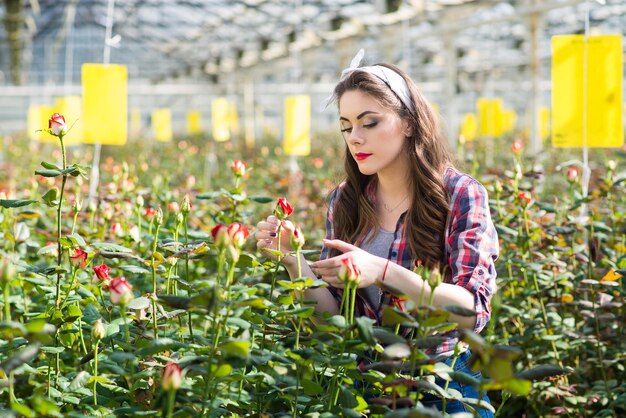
(473, 247)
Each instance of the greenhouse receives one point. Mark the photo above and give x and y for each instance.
(312, 208)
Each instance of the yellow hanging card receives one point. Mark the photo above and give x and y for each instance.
(469, 127)
(509, 120)
(162, 124)
(297, 127)
(587, 92)
(105, 104)
(38, 117)
(220, 122)
(194, 122)
(71, 108)
(135, 122)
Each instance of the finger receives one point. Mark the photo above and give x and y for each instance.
(333, 262)
(264, 244)
(339, 245)
(264, 235)
(333, 281)
(273, 220)
(266, 226)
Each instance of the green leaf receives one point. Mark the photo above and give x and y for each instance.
(207, 195)
(139, 303)
(48, 173)
(262, 199)
(9, 203)
(23, 356)
(236, 348)
(109, 246)
(397, 351)
(394, 316)
(135, 269)
(458, 310)
(79, 381)
(50, 166)
(77, 239)
(387, 337)
(22, 410)
(158, 346)
(72, 313)
(518, 386)
(365, 326)
(311, 387)
(542, 372)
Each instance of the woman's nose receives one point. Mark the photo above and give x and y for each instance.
(355, 137)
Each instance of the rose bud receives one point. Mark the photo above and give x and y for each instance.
(349, 272)
(171, 377)
(572, 174)
(117, 230)
(158, 216)
(139, 201)
(220, 235)
(150, 213)
(517, 147)
(237, 233)
(238, 168)
(283, 208)
(102, 272)
(297, 239)
(98, 331)
(524, 198)
(78, 258)
(56, 124)
(185, 205)
(173, 207)
(121, 291)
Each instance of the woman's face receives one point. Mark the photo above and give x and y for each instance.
(375, 135)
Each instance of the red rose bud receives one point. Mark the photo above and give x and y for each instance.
(283, 208)
(220, 235)
(102, 272)
(185, 206)
(238, 168)
(98, 331)
(149, 213)
(349, 272)
(78, 258)
(237, 233)
(572, 174)
(297, 239)
(173, 207)
(171, 377)
(117, 230)
(56, 124)
(517, 147)
(524, 198)
(121, 291)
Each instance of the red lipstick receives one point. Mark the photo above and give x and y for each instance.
(361, 156)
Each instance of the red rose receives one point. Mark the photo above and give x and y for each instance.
(56, 124)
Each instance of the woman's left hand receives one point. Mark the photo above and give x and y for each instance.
(370, 266)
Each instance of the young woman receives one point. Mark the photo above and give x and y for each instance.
(401, 204)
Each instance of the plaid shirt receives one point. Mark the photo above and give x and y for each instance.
(471, 248)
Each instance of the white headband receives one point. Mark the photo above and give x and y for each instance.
(393, 80)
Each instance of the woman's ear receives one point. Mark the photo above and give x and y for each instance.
(407, 130)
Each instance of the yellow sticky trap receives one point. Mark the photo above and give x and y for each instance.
(233, 118)
(489, 117)
(297, 137)
(220, 122)
(71, 108)
(509, 120)
(194, 122)
(38, 117)
(469, 127)
(162, 124)
(544, 122)
(105, 104)
(135, 122)
(603, 106)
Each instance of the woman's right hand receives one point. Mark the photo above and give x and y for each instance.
(267, 238)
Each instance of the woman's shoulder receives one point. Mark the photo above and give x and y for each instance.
(457, 182)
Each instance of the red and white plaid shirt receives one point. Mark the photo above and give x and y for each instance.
(471, 249)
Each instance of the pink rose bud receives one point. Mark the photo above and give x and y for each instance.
(121, 291)
(517, 147)
(220, 235)
(102, 272)
(173, 207)
(98, 331)
(237, 233)
(349, 272)
(149, 213)
(78, 258)
(238, 168)
(297, 239)
(56, 124)
(572, 174)
(525, 198)
(283, 208)
(117, 230)
(171, 377)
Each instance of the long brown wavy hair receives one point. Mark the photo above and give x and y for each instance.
(426, 147)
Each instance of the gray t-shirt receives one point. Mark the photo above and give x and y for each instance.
(379, 246)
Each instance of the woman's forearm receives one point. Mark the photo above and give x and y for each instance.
(325, 302)
(418, 290)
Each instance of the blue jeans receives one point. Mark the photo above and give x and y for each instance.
(466, 391)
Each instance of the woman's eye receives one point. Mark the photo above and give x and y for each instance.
(370, 125)
(346, 130)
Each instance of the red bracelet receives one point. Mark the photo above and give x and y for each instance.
(385, 271)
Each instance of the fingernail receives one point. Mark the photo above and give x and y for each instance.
(272, 234)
